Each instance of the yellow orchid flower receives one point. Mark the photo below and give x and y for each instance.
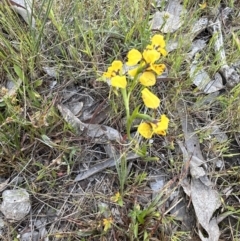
(116, 197)
(117, 65)
(158, 68)
(161, 127)
(136, 69)
(158, 41)
(151, 56)
(107, 223)
(203, 5)
(145, 130)
(119, 81)
(134, 56)
(109, 73)
(114, 69)
(149, 47)
(149, 99)
(114, 76)
(158, 44)
(147, 78)
(163, 52)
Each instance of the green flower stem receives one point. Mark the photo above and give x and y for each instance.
(138, 116)
(126, 104)
(126, 99)
(144, 117)
(135, 79)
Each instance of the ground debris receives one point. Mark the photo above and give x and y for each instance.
(204, 198)
(16, 204)
(98, 133)
(103, 165)
(25, 9)
(231, 76)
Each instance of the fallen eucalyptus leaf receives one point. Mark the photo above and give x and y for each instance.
(40, 224)
(99, 133)
(191, 139)
(206, 100)
(197, 46)
(197, 28)
(24, 8)
(52, 84)
(202, 80)
(199, 76)
(182, 213)
(30, 236)
(225, 13)
(110, 162)
(200, 25)
(171, 45)
(110, 150)
(75, 107)
(205, 201)
(170, 20)
(157, 185)
(214, 85)
(204, 198)
(165, 21)
(219, 135)
(229, 73)
(51, 71)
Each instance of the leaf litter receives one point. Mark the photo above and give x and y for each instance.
(194, 179)
(24, 8)
(205, 199)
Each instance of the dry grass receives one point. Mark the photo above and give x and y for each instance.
(79, 39)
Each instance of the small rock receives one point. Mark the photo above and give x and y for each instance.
(15, 205)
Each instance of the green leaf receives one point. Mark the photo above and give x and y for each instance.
(19, 72)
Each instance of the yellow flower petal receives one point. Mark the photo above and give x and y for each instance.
(116, 65)
(149, 47)
(114, 69)
(133, 72)
(147, 78)
(149, 99)
(151, 56)
(116, 197)
(145, 130)
(110, 72)
(107, 74)
(158, 68)
(134, 56)
(162, 51)
(119, 81)
(161, 127)
(107, 223)
(158, 40)
(203, 5)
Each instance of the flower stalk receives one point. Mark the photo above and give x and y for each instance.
(144, 69)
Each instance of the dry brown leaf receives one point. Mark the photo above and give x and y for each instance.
(110, 162)
(204, 198)
(24, 8)
(98, 133)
